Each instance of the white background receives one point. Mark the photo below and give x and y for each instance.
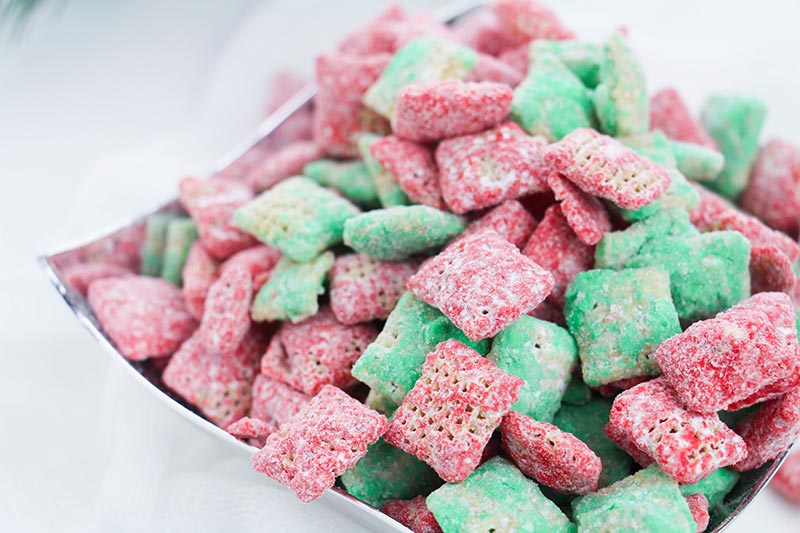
(103, 106)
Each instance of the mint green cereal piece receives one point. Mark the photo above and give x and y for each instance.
(648, 501)
(381, 403)
(735, 123)
(618, 319)
(679, 195)
(388, 473)
(496, 497)
(582, 58)
(421, 60)
(620, 98)
(393, 362)
(387, 188)
(653, 145)
(696, 162)
(292, 289)
(400, 232)
(181, 234)
(298, 217)
(351, 178)
(587, 422)
(155, 236)
(551, 101)
(577, 392)
(541, 353)
(714, 486)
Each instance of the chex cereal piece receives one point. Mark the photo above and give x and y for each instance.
(292, 290)
(316, 352)
(482, 283)
(497, 496)
(421, 60)
(625, 442)
(253, 429)
(219, 385)
(259, 260)
(481, 30)
(351, 178)
(181, 234)
(414, 514)
(582, 58)
(342, 80)
(155, 238)
(770, 430)
(770, 270)
(123, 248)
(413, 166)
(388, 473)
(720, 361)
(686, 445)
(393, 363)
(604, 167)
(363, 289)
(552, 457)
(787, 480)
(298, 217)
(199, 273)
(285, 162)
(378, 35)
(669, 114)
(144, 317)
(587, 423)
(328, 436)
(772, 194)
(698, 506)
(226, 315)
(517, 58)
(618, 319)
(492, 69)
(528, 20)
(390, 193)
(275, 402)
(714, 486)
(679, 195)
(451, 108)
(696, 162)
(510, 220)
(584, 213)
(555, 246)
(551, 101)
(485, 169)
(542, 354)
(80, 275)
(399, 232)
(448, 417)
(735, 123)
(621, 96)
(649, 500)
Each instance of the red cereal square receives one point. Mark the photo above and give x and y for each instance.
(669, 114)
(771, 430)
(585, 214)
(489, 68)
(552, 457)
(80, 275)
(510, 220)
(517, 58)
(226, 316)
(316, 352)
(772, 193)
(328, 436)
(252, 429)
(379, 35)
(686, 445)
(284, 163)
(481, 30)
(414, 514)
(275, 402)
(527, 20)
(698, 506)
(121, 248)
(451, 412)
(144, 317)
(770, 270)
(482, 284)
(602, 166)
(451, 108)
(258, 260)
(787, 480)
(364, 289)
(413, 166)
(199, 272)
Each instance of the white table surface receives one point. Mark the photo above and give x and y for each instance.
(103, 106)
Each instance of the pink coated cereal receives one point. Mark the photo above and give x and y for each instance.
(328, 436)
(122, 248)
(449, 108)
(284, 163)
(527, 20)
(199, 273)
(80, 275)
(481, 30)
(698, 506)
(552, 457)
(510, 220)
(379, 36)
(485, 169)
(413, 166)
(604, 167)
(414, 514)
(145, 317)
(226, 316)
(625, 442)
(686, 445)
(517, 58)
(488, 68)
(254, 429)
(787, 480)
(482, 283)
(364, 289)
(669, 114)
(584, 213)
(451, 412)
(772, 193)
(770, 270)
(258, 260)
(316, 352)
(770, 430)
(275, 402)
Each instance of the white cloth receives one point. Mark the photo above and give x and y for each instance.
(104, 106)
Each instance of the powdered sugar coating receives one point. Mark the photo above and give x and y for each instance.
(772, 193)
(669, 114)
(414, 514)
(698, 506)
(275, 402)
(413, 166)
(258, 260)
(489, 68)
(226, 316)
(528, 20)
(250, 428)
(770, 270)
(787, 480)
(584, 213)
(510, 220)
(199, 273)
(285, 162)
(80, 275)
(769, 431)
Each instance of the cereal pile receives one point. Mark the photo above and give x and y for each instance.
(488, 285)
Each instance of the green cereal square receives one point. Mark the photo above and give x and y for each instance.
(679, 195)
(387, 188)
(621, 98)
(618, 319)
(388, 473)
(541, 353)
(421, 60)
(181, 234)
(155, 237)
(551, 101)
(393, 362)
(648, 501)
(577, 392)
(402, 231)
(292, 289)
(496, 497)
(697, 162)
(351, 178)
(714, 486)
(582, 58)
(298, 217)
